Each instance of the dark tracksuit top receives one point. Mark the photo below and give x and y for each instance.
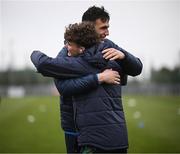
(67, 89)
(99, 115)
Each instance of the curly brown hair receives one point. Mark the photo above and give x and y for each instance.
(83, 34)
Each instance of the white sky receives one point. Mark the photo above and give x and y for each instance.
(147, 29)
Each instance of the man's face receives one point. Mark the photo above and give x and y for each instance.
(102, 28)
(74, 49)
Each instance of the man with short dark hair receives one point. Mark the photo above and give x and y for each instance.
(100, 17)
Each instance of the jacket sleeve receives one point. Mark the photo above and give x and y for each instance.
(59, 67)
(75, 86)
(131, 65)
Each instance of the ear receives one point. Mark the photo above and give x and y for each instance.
(82, 49)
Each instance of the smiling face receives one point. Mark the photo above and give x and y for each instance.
(102, 28)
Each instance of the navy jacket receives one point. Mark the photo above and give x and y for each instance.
(99, 115)
(67, 88)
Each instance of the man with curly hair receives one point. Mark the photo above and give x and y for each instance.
(81, 35)
(99, 122)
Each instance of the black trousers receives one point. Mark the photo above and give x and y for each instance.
(72, 147)
(71, 143)
(91, 149)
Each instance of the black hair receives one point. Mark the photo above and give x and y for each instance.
(93, 13)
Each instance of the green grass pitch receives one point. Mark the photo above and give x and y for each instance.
(32, 124)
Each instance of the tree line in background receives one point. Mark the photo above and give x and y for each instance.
(166, 75)
(22, 77)
(163, 75)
